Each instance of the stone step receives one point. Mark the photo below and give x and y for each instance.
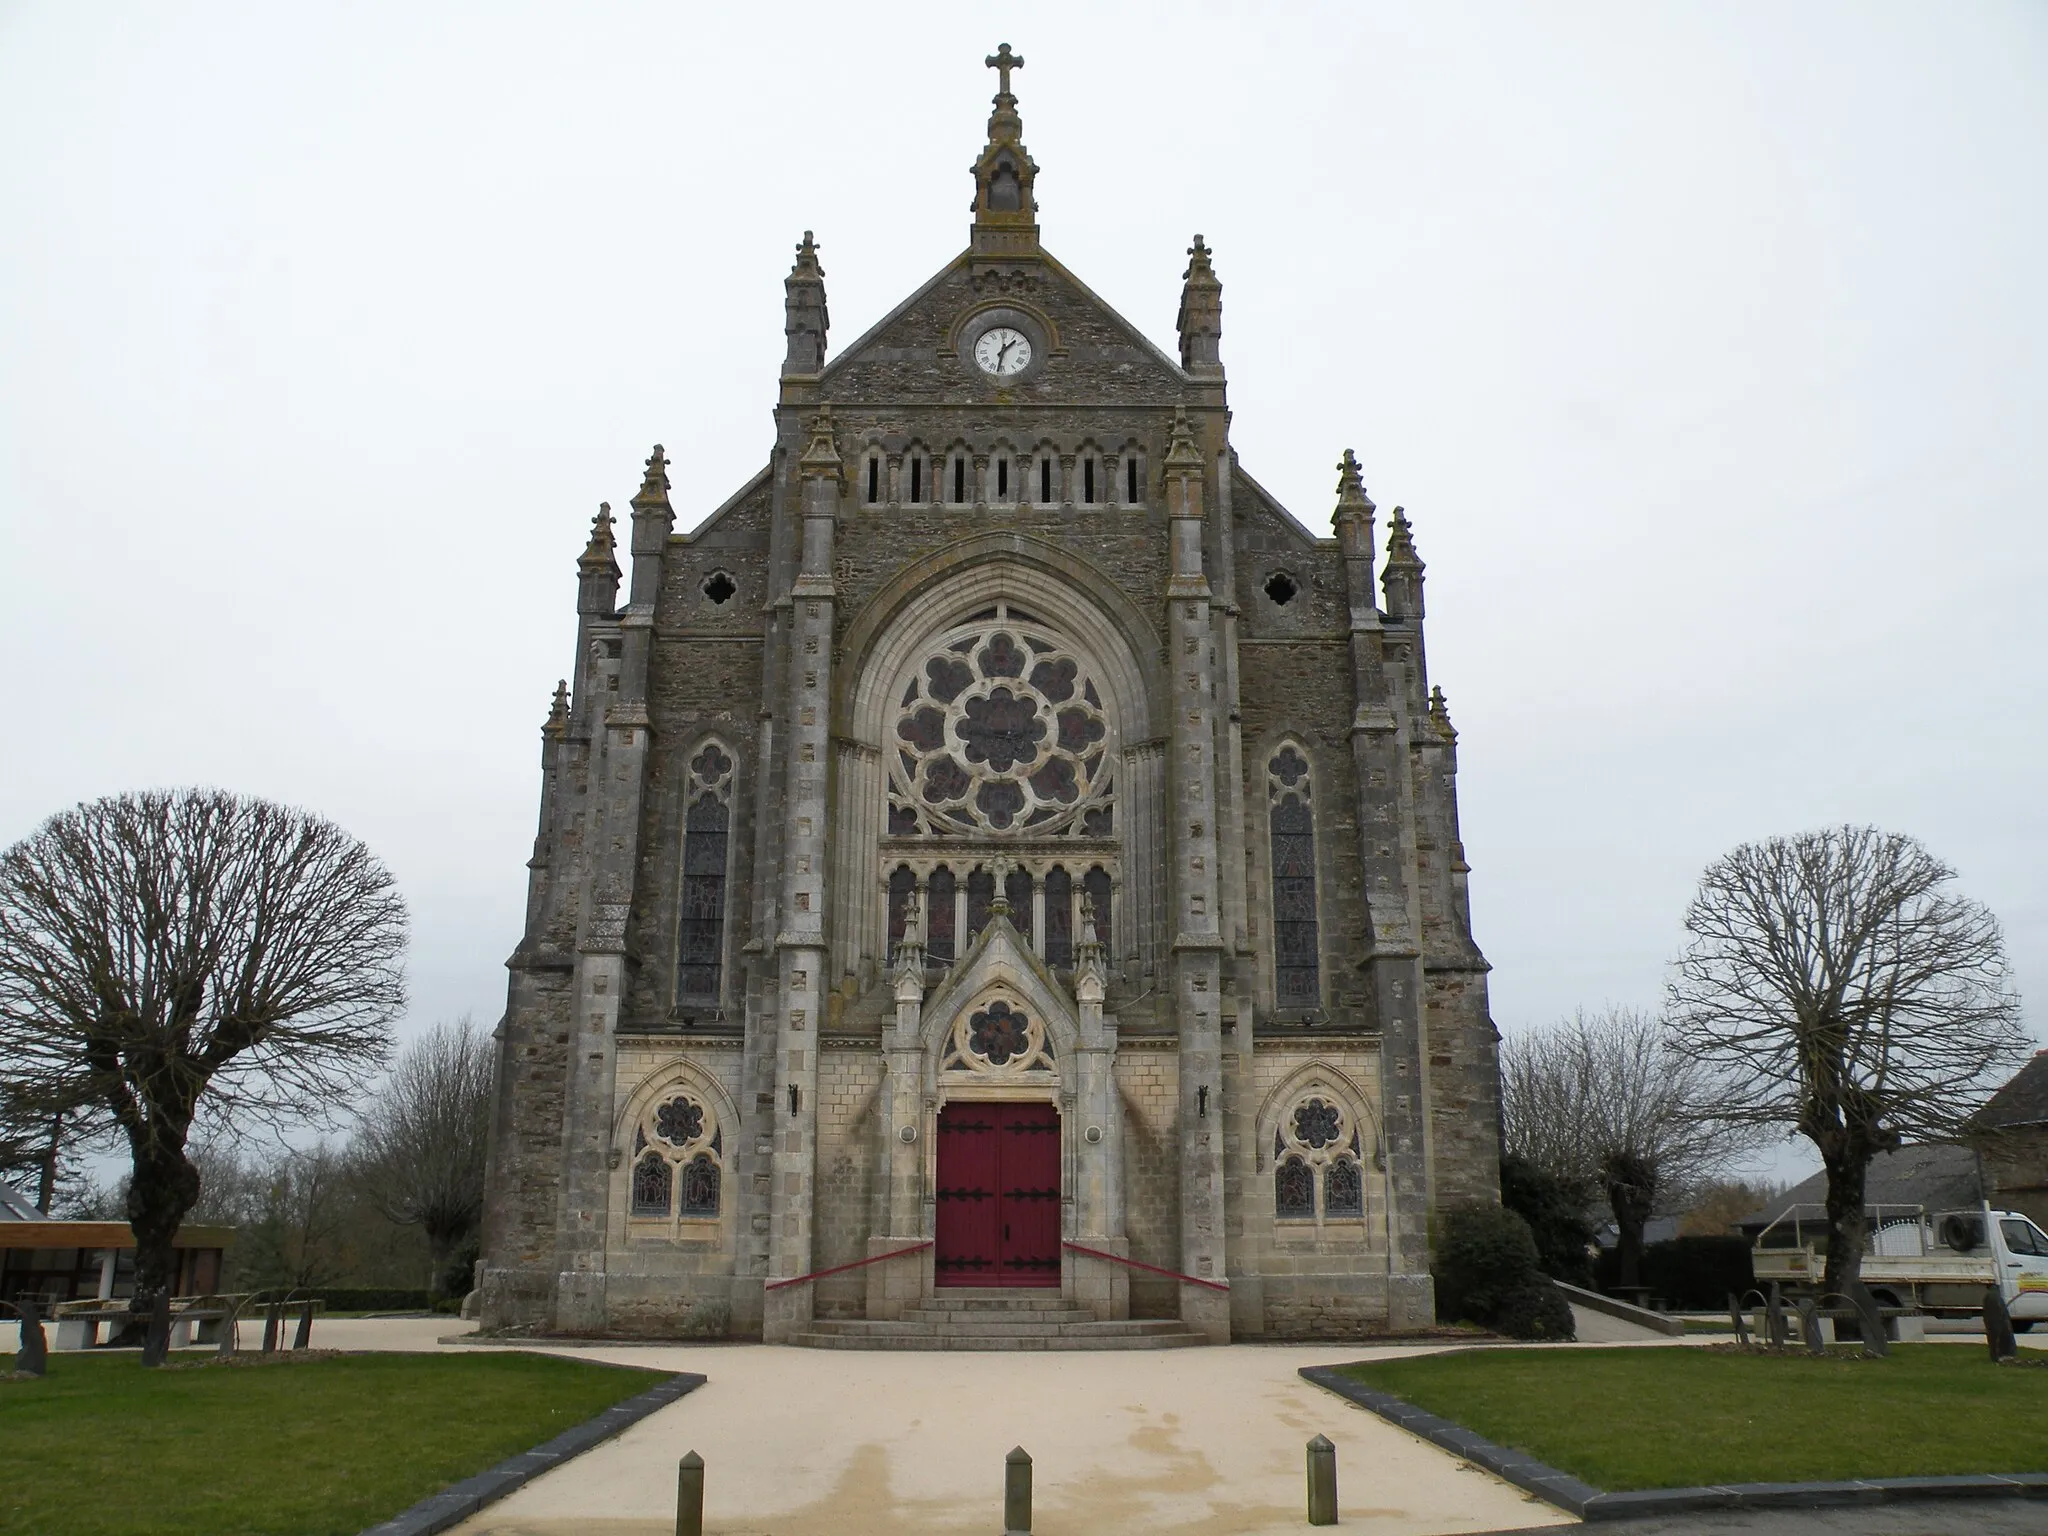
(961, 1298)
(1084, 1327)
(1000, 1319)
(986, 1340)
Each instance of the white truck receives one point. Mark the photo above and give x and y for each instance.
(1936, 1263)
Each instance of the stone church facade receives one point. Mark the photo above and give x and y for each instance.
(1000, 848)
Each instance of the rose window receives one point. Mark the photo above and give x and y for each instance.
(1000, 728)
(1315, 1123)
(678, 1122)
(999, 1032)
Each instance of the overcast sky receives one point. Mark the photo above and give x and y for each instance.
(1707, 346)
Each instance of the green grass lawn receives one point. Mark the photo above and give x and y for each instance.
(1675, 1418)
(319, 1447)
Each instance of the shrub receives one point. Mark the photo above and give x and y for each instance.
(1487, 1273)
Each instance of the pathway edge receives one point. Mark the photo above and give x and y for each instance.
(457, 1502)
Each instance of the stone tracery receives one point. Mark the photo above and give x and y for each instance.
(1000, 729)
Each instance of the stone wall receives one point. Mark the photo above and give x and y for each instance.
(1148, 1084)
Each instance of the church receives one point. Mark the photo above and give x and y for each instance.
(998, 878)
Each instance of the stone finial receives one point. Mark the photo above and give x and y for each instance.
(1401, 576)
(558, 711)
(805, 318)
(1088, 939)
(1401, 541)
(1004, 172)
(1440, 716)
(598, 554)
(654, 481)
(999, 873)
(1352, 500)
(1200, 321)
(821, 457)
(1181, 452)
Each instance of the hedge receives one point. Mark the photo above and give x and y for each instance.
(1689, 1274)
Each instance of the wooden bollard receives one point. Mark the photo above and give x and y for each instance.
(1017, 1493)
(690, 1495)
(1322, 1481)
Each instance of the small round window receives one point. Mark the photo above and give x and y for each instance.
(719, 587)
(1281, 588)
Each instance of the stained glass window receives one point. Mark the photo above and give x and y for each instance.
(679, 1122)
(1316, 1123)
(939, 914)
(700, 1186)
(1344, 1189)
(998, 1032)
(902, 887)
(707, 826)
(981, 895)
(999, 729)
(653, 1181)
(1017, 891)
(1297, 953)
(1059, 918)
(1294, 1190)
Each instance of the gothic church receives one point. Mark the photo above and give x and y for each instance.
(1000, 860)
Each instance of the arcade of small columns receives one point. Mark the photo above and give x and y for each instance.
(1023, 883)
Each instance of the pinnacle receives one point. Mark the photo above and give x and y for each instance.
(598, 552)
(1351, 495)
(1180, 441)
(1440, 715)
(1401, 540)
(654, 483)
(1199, 266)
(807, 259)
(558, 710)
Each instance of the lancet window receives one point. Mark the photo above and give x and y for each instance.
(1297, 953)
(678, 1160)
(707, 836)
(1319, 1156)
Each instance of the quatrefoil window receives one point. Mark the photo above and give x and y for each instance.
(999, 1032)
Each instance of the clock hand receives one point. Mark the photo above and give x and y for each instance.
(1003, 352)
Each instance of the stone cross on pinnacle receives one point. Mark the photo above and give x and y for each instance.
(1002, 61)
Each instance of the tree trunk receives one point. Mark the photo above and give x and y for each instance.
(1632, 1195)
(1846, 1172)
(46, 1184)
(161, 1189)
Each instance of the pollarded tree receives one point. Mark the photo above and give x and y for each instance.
(423, 1140)
(1833, 985)
(174, 949)
(1602, 1101)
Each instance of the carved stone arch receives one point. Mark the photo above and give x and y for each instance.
(999, 960)
(1306, 1081)
(679, 1073)
(1062, 588)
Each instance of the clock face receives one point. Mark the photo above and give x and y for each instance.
(1002, 351)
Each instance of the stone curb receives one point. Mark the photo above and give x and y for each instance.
(458, 1502)
(1576, 1497)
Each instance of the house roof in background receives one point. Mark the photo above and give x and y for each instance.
(15, 1206)
(1938, 1177)
(2023, 1101)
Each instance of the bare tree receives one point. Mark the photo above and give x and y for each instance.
(1602, 1099)
(1833, 986)
(423, 1140)
(164, 947)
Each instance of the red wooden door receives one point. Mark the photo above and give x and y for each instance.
(998, 1195)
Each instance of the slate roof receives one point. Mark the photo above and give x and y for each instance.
(2023, 1101)
(1938, 1177)
(15, 1206)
